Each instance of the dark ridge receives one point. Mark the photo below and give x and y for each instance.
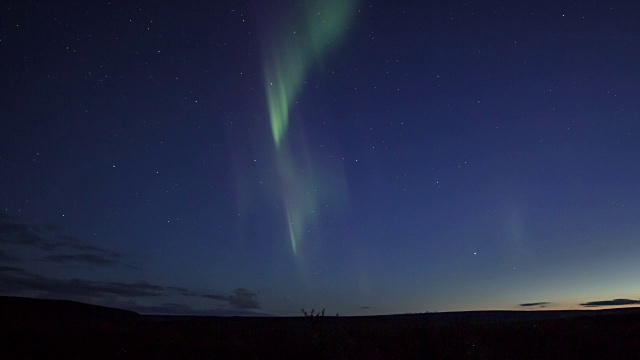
(33, 328)
(45, 310)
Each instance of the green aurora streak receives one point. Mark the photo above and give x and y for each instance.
(303, 39)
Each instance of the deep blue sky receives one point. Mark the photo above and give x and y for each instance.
(465, 155)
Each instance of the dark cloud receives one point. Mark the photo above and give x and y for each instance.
(10, 269)
(182, 291)
(216, 297)
(244, 299)
(16, 281)
(91, 259)
(164, 309)
(5, 257)
(181, 309)
(240, 299)
(50, 227)
(540, 304)
(69, 249)
(20, 233)
(29, 239)
(20, 282)
(7, 227)
(230, 312)
(615, 302)
(365, 307)
(62, 249)
(77, 244)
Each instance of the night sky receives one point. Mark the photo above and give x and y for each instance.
(367, 157)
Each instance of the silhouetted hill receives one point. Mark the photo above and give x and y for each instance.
(43, 310)
(31, 328)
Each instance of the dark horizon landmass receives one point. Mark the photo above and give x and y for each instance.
(56, 304)
(59, 328)
(47, 304)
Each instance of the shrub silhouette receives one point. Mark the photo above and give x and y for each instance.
(312, 313)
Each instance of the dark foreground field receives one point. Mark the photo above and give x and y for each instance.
(66, 330)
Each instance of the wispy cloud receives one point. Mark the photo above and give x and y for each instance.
(17, 281)
(45, 244)
(20, 282)
(42, 239)
(180, 309)
(4, 269)
(182, 291)
(536, 304)
(239, 299)
(77, 244)
(6, 257)
(21, 233)
(91, 259)
(164, 309)
(615, 302)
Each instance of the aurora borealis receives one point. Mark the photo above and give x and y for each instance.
(303, 36)
(235, 158)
